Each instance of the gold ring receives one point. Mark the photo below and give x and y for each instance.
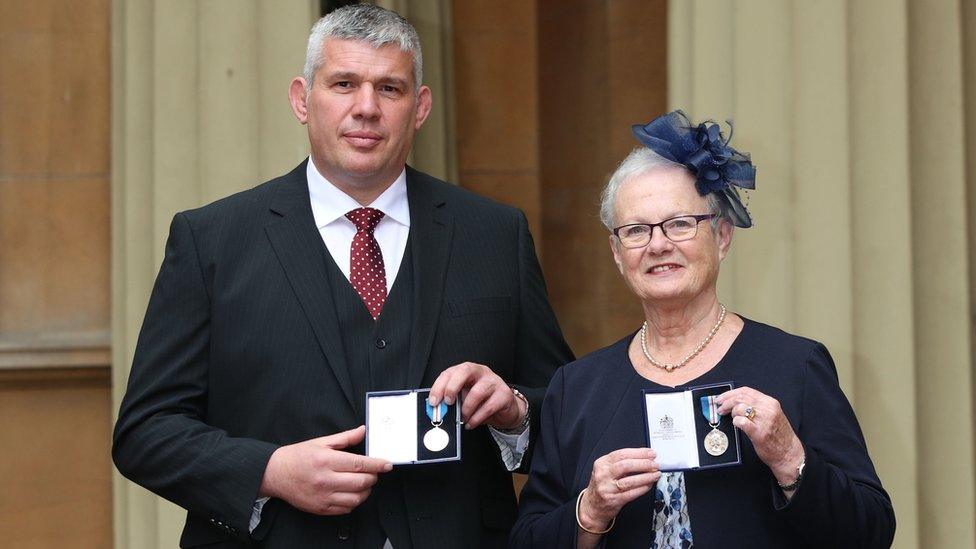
(615, 483)
(750, 413)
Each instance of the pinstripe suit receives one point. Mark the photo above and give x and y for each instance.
(240, 353)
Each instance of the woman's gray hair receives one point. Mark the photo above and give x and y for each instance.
(367, 23)
(640, 161)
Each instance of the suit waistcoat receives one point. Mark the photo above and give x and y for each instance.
(376, 354)
(376, 350)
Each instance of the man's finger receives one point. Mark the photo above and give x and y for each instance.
(476, 396)
(342, 481)
(344, 439)
(355, 463)
(336, 510)
(349, 500)
(490, 407)
(459, 380)
(437, 389)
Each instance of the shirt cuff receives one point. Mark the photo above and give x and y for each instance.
(512, 446)
(256, 514)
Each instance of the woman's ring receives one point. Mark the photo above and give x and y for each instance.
(750, 413)
(617, 484)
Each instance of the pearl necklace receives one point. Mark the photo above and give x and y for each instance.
(693, 354)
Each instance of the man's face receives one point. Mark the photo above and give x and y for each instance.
(362, 113)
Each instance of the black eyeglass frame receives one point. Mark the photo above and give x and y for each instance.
(650, 233)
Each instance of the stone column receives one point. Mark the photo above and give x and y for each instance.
(199, 110)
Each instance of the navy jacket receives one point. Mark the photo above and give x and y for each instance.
(594, 406)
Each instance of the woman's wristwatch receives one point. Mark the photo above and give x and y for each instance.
(519, 429)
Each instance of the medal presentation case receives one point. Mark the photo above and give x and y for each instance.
(684, 428)
(402, 428)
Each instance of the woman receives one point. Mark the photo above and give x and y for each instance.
(805, 478)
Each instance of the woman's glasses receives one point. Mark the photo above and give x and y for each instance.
(676, 229)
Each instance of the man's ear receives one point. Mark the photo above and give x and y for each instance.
(298, 99)
(424, 102)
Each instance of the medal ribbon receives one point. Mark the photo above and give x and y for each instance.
(710, 409)
(438, 414)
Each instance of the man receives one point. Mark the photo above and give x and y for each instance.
(277, 309)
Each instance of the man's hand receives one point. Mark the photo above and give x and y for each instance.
(317, 477)
(487, 398)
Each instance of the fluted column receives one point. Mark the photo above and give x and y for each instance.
(856, 114)
(434, 148)
(200, 110)
(941, 239)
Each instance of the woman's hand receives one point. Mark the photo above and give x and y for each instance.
(617, 479)
(767, 427)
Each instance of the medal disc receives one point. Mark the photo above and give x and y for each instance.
(716, 443)
(436, 439)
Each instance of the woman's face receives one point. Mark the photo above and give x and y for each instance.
(664, 271)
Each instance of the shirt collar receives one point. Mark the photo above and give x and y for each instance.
(329, 203)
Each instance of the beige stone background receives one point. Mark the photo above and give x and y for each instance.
(115, 114)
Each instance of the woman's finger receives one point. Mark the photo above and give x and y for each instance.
(749, 428)
(748, 411)
(626, 467)
(630, 453)
(641, 480)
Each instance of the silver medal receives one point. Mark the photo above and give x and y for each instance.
(436, 439)
(716, 443)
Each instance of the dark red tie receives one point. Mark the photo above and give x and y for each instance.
(366, 271)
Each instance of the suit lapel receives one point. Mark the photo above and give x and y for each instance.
(431, 229)
(299, 248)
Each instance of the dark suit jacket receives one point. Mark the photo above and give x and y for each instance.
(594, 406)
(240, 352)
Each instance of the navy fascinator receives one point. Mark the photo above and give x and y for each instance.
(718, 168)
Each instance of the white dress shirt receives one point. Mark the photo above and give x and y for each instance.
(329, 208)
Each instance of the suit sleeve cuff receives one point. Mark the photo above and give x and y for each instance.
(256, 514)
(512, 446)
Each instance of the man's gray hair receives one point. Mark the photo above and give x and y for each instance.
(367, 23)
(640, 161)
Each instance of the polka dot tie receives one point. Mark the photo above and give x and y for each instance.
(366, 271)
